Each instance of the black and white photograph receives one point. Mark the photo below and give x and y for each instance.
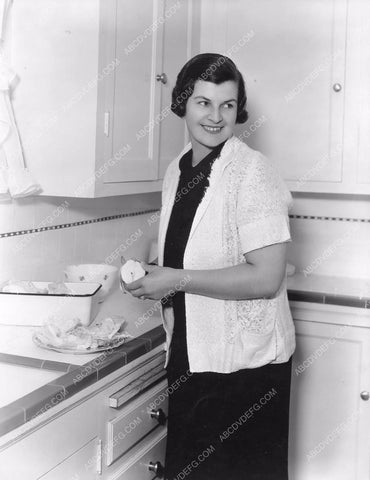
(185, 239)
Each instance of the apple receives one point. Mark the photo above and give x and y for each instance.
(131, 271)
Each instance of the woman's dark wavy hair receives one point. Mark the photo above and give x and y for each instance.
(210, 67)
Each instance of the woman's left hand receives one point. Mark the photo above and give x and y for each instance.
(158, 282)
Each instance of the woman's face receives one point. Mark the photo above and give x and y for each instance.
(211, 114)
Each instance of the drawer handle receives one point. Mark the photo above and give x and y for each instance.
(365, 395)
(156, 468)
(159, 415)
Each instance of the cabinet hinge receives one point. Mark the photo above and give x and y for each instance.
(106, 123)
(99, 457)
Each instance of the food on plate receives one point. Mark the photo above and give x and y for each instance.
(72, 335)
(131, 271)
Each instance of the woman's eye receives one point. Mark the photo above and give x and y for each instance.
(203, 103)
(229, 105)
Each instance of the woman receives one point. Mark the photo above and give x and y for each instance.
(222, 246)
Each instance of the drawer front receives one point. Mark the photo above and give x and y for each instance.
(136, 420)
(142, 466)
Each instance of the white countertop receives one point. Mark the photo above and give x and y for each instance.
(17, 340)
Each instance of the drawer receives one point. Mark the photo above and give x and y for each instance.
(136, 420)
(147, 463)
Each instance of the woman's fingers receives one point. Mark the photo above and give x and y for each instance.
(134, 285)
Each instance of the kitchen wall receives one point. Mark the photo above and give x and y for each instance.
(39, 236)
(330, 235)
(330, 232)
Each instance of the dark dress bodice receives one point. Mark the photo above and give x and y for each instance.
(190, 191)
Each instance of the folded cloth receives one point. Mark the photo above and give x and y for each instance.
(21, 183)
(4, 6)
(15, 180)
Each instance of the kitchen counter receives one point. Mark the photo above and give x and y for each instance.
(348, 292)
(53, 375)
(37, 378)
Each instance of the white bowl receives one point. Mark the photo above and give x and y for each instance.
(93, 272)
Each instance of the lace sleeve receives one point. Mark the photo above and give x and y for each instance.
(262, 208)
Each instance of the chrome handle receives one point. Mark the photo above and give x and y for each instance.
(365, 395)
(161, 77)
(156, 468)
(159, 415)
(337, 87)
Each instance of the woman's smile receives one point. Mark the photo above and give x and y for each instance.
(212, 130)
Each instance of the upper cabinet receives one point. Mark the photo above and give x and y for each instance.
(94, 94)
(307, 70)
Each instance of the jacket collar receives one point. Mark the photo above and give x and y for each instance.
(218, 167)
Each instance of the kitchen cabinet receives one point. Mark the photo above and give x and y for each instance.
(74, 467)
(330, 408)
(116, 425)
(307, 79)
(92, 103)
(57, 447)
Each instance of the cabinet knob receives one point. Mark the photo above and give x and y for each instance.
(161, 78)
(159, 415)
(156, 468)
(337, 87)
(365, 395)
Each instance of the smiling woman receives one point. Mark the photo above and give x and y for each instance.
(229, 325)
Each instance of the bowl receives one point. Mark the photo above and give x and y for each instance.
(101, 273)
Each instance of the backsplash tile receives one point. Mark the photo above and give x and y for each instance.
(327, 247)
(335, 245)
(43, 255)
(23, 214)
(7, 216)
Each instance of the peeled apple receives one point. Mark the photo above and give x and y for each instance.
(131, 271)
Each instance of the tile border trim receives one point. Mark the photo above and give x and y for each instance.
(336, 219)
(153, 210)
(76, 224)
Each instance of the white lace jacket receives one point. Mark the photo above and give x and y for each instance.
(244, 208)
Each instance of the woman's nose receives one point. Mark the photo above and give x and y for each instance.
(215, 115)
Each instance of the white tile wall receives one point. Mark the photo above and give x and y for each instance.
(330, 247)
(43, 256)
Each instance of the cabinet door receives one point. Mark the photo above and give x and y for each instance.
(293, 57)
(54, 49)
(139, 36)
(181, 42)
(357, 118)
(39, 452)
(329, 420)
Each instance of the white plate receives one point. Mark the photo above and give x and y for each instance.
(116, 341)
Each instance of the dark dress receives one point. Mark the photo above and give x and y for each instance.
(220, 426)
